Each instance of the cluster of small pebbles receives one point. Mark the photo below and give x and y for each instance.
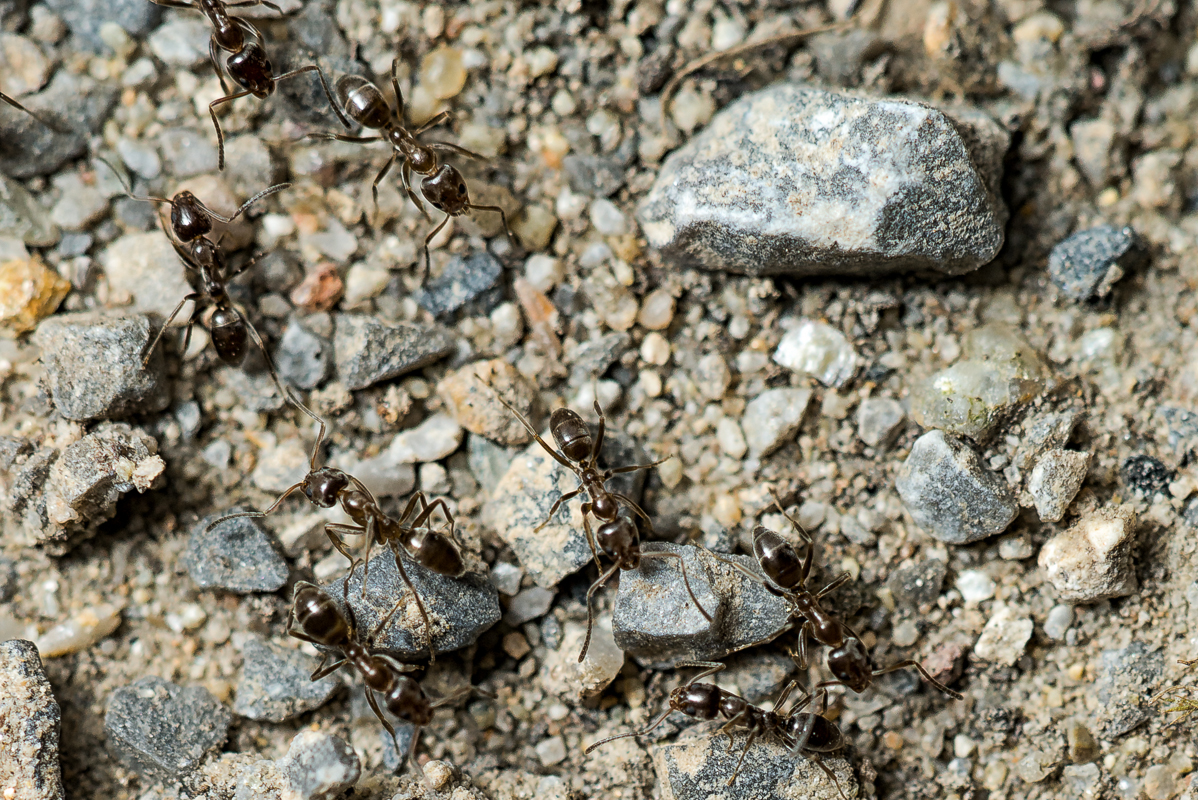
(924, 273)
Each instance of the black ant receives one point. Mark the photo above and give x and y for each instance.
(322, 623)
(325, 487)
(803, 732)
(786, 577)
(247, 64)
(617, 536)
(442, 185)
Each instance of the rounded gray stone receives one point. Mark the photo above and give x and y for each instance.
(319, 766)
(276, 682)
(303, 358)
(236, 555)
(1088, 263)
(367, 351)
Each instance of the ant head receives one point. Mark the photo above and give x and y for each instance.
(696, 700)
(323, 486)
(189, 218)
(363, 102)
(851, 664)
(318, 616)
(408, 701)
(436, 551)
(252, 70)
(778, 559)
(229, 334)
(620, 540)
(573, 438)
(445, 189)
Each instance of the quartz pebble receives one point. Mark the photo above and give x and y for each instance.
(460, 609)
(88, 627)
(433, 439)
(1092, 560)
(1004, 637)
(367, 351)
(879, 420)
(657, 310)
(1089, 263)
(528, 605)
(772, 418)
(145, 267)
(94, 365)
(975, 586)
(1055, 481)
(21, 216)
(161, 730)
(656, 622)
(29, 291)
(1058, 622)
(472, 395)
(236, 555)
(950, 494)
(564, 676)
(856, 186)
(320, 766)
(276, 684)
(29, 725)
(819, 350)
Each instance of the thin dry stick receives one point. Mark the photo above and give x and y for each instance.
(699, 63)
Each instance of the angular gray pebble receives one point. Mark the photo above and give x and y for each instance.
(918, 584)
(656, 622)
(21, 217)
(86, 17)
(93, 365)
(161, 730)
(237, 556)
(460, 609)
(1126, 677)
(367, 351)
(276, 682)
(29, 724)
(698, 768)
(532, 484)
(951, 494)
(319, 766)
(75, 105)
(797, 180)
(1088, 263)
(303, 359)
(470, 283)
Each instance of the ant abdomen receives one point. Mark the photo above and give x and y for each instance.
(435, 551)
(571, 433)
(698, 700)
(319, 616)
(363, 102)
(229, 335)
(777, 557)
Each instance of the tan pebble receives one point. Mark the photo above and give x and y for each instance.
(472, 395)
(320, 288)
(515, 645)
(655, 349)
(657, 310)
(443, 72)
(892, 740)
(534, 228)
(29, 291)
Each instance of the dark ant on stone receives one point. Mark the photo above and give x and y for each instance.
(325, 487)
(617, 536)
(803, 732)
(442, 185)
(247, 63)
(786, 576)
(322, 623)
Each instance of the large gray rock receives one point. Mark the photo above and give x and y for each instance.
(161, 730)
(93, 365)
(29, 725)
(951, 494)
(460, 609)
(276, 682)
(367, 351)
(532, 484)
(656, 622)
(76, 105)
(797, 180)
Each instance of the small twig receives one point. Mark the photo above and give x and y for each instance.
(1187, 706)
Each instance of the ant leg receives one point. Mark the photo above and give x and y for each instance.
(710, 668)
(586, 643)
(636, 509)
(819, 762)
(341, 137)
(685, 579)
(278, 187)
(803, 534)
(243, 3)
(399, 103)
(528, 426)
(220, 134)
(337, 541)
(506, 228)
(382, 625)
(564, 498)
(154, 344)
(215, 59)
(635, 467)
(834, 585)
(288, 395)
(923, 672)
(434, 122)
(12, 102)
(586, 526)
(428, 625)
(396, 664)
(782, 698)
(378, 712)
(743, 753)
(374, 187)
(660, 719)
(405, 175)
(324, 84)
(323, 671)
(802, 661)
(429, 238)
(446, 147)
(597, 445)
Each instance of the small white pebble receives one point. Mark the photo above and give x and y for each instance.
(543, 272)
(650, 383)
(657, 310)
(607, 218)
(438, 774)
(551, 751)
(1060, 617)
(731, 438)
(541, 61)
(655, 349)
(975, 586)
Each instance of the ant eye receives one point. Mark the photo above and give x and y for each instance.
(462, 188)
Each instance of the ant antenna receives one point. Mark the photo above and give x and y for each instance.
(660, 719)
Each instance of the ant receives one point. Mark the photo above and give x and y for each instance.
(322, 623)
(247, 64)
(325, 487)
(786, 577)
(803, 732)
(442, 185)
(618, 536)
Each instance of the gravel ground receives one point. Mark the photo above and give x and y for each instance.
(992, 435)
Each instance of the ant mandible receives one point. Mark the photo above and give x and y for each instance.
(803, 732)
(442, 185)
(325, 487)
(322, 623)
(247, 63)
(786, 576)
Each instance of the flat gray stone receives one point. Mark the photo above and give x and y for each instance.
(1055, 481)
(1125, 679)
(532, 484)
(236, 556)
(320, 766)
(772, 417)
(656, 622)
(303, 358)
(879, 420)
(460, 609)
(950, 494)
(367, 351)
(93, 365)
(21, 217)
(797, 180)
(1087, 264)
(276, 682)
(161, 730)
(470, 285)
(76, 105)
(29, 725)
